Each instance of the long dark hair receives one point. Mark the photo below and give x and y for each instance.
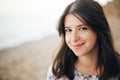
(92, 13)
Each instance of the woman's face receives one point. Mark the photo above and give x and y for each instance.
(80, 38)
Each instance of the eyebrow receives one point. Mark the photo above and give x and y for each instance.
(77, 26)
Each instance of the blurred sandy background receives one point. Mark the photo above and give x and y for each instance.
(30, 61)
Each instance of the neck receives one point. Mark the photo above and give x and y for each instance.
(88, 61)
(87, 64)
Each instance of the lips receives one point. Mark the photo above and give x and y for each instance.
(77, 46)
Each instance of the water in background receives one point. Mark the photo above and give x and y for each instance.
(15, 30)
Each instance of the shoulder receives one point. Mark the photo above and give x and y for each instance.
(51, 76)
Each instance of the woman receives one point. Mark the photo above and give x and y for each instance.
(87, 51)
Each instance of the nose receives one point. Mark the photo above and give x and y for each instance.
(75, 36)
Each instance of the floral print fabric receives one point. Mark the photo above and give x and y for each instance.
(78, 76)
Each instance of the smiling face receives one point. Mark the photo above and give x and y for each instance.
(80, 38)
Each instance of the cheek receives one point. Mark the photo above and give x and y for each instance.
(67, 39)
(92, 39)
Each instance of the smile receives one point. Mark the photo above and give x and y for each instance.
(77, 46)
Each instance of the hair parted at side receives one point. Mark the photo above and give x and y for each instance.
(92, 14)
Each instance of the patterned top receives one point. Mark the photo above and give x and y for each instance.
(78, 76)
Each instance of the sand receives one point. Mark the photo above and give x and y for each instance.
(29, 61)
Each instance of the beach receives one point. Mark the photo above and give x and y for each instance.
(30, 61)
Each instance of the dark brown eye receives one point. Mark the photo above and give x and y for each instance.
(83, 28)
(68, 30)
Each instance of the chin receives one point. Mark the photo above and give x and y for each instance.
(79, 54)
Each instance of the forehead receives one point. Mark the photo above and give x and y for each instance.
(73, 20)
